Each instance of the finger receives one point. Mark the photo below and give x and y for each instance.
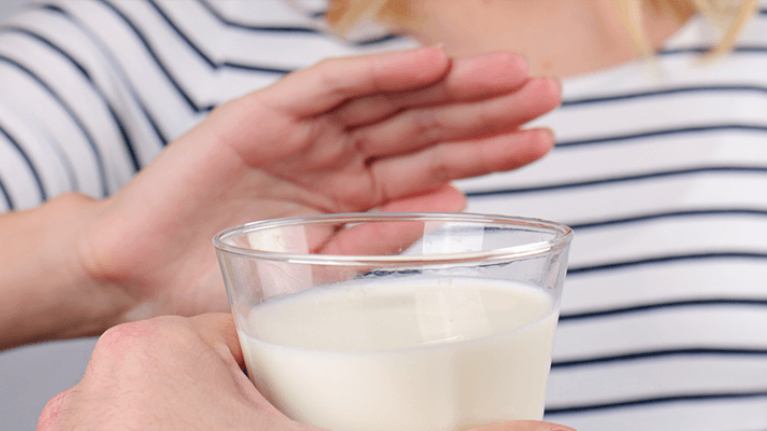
(428, 169)
(52, 416)
(416, 129)
(470, 78)
(322, 87)
(388, 238)
(445, 198)
(218, 331)
(525, 426)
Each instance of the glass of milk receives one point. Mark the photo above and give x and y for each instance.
(397, 321)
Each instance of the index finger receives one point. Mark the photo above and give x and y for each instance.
(470, 79)
(329, 83)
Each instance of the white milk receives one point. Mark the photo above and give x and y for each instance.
(419, 354)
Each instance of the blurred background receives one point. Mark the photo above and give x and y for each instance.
(8, 6)
(31, 375)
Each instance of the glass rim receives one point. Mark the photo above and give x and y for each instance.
(562, 236)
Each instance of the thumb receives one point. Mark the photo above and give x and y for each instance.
(218, 331)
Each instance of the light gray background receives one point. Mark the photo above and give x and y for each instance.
(31, 375)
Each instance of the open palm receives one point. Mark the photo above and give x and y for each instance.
(386, 131)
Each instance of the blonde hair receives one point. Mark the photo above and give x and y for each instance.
(730, 15)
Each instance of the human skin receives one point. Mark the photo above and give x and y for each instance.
(560, 38)
(174, 373)
(123, 295)
(386, 132)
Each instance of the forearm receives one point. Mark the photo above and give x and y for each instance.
(46, 292)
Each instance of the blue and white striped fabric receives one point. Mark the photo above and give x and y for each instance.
(662, 172)
(92, 90)
(661, 169)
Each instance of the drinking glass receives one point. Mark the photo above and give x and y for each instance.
(397, 321)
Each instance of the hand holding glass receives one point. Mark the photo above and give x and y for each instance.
(397, 322)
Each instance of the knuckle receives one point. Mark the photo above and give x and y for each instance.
(427, 126)
(133, 336)
(126, 333)
(54, 412)
(489, 118)
(327, 74)
(343, 77)
(364, 143)
(142, 349)
(439, 166)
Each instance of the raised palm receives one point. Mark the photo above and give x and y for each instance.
(387, 131)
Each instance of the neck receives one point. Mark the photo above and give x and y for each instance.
(558, 37)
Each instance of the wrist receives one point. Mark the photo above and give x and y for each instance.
(102, 302)
(49, 292)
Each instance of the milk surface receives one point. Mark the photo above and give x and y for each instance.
(415, 353)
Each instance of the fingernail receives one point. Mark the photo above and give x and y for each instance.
(554, 140)
(556, 83)
(556, 80)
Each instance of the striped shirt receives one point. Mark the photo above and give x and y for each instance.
(660, 168)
